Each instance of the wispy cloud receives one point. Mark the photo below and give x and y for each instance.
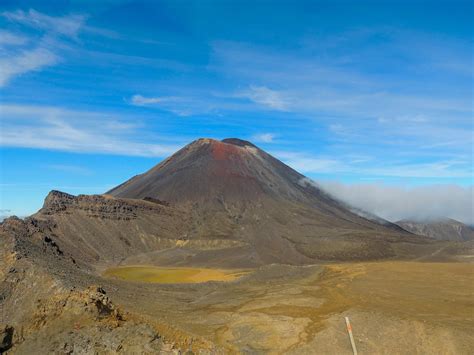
(309, 87)
(189, 102)
(25, 61)
(56, 128)
(23, 52)
(140, 100)
(8, 38)
(358, 102)
(342, 85)
(266, 97)
(180, 106)
(64, 25)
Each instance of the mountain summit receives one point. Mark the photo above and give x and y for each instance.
(236, 173)
(236, 191)
(208, 169)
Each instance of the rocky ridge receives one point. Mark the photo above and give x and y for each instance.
(439, 229)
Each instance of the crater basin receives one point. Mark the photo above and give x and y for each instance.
(158, 274)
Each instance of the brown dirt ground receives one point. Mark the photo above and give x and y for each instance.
(395, 308)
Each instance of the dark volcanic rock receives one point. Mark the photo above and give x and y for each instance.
(238, 142)
(98, 206)
(6, 338)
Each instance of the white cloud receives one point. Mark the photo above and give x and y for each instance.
(11, 39)
(180, 106)
(190, 101)
(140, 100)
(398, 202)
(264, 137)
(66, 25)
(265, 97)
(21, 53)
(26, 61)
(56, 128)
(177, 105)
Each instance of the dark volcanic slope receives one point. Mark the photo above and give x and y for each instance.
(207, 169)
(440, 229)
(234, 172)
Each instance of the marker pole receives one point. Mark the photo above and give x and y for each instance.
(349, 330)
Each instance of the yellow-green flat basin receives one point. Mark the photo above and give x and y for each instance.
(156, 274)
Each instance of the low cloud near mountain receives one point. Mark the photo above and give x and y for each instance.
(397, 202)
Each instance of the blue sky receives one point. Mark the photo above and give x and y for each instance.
(357, 92)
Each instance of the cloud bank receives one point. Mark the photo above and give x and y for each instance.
(397, 202)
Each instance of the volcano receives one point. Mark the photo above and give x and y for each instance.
(235, 176)
(235, 192)
(213, 203)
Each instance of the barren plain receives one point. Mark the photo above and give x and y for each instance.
(394, 307)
